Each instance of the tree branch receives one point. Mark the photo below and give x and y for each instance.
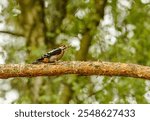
(11, 33)
(75, 67)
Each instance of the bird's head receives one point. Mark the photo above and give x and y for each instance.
(63, 47)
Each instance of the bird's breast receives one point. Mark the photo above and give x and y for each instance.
(56, 57)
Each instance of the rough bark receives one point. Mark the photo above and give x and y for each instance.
(75, 67)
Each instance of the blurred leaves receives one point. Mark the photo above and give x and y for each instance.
(118, 31)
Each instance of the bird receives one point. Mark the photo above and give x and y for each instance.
(52, 56)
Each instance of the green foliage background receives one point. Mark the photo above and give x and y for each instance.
(107, 30)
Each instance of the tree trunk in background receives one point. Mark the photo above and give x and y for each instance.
(88, 34)
(56, 18)
(32, 22)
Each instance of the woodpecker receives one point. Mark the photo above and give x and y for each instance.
(52, 56)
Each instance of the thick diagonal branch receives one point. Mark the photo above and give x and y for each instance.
(75, 67)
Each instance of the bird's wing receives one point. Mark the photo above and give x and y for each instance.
(56, 51)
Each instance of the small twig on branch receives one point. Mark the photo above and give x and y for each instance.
(75, 67)
(11, 33)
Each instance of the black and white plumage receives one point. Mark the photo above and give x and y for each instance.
(52, 56)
